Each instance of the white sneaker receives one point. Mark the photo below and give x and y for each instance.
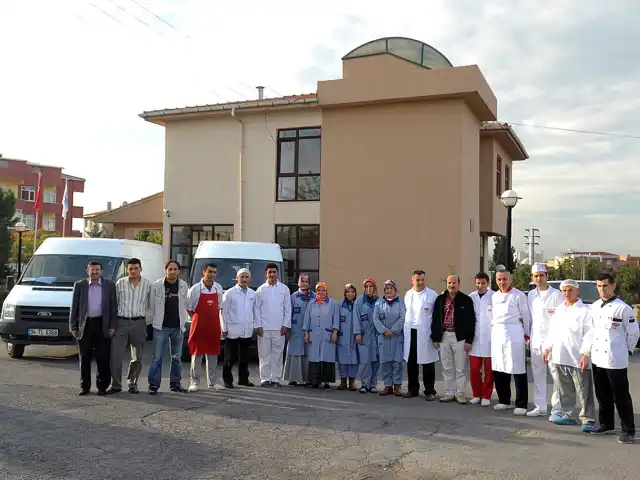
(501, 406)
(486, 402)
(193, 388)
(520, 412)
(536, 412)
(554, 417)
(217, 386)
(475, 401)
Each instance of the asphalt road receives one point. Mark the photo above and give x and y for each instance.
(49, 432)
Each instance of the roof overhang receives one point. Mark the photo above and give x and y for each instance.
(507, 138)
(162, 117)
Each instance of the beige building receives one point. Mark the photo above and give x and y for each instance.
(128, 219)
(398, 165)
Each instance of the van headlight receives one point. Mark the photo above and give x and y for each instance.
(8, 312)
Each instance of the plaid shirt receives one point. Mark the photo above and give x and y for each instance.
(448, 312)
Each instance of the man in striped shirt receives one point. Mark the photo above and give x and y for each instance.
(133, 306)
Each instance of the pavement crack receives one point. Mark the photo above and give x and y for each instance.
(146, 416)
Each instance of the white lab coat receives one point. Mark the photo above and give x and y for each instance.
(615, 334)
(509, 325)
(274, 306)
(542, 306)
(482, 340)
(426, 352)
(570, 334)
(239, 312)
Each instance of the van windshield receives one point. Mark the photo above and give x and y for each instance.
(588, 291)
(64, 270)
(228, 268)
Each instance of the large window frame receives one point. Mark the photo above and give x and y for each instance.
(49, 195)
(49, 223)
(30, 193)
(507, 177)
(183, 244)
(498, 176)
(294, 239)
(300, 181)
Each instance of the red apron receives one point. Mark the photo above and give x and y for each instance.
(205, 331)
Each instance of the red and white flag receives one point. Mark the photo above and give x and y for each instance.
(39, 193)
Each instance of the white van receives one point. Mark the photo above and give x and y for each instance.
(230, 257)
(36, 311)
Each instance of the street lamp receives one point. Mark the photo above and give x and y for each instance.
(509, 199)
(20, 227)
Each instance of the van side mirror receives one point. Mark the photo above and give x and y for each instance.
(10, 282)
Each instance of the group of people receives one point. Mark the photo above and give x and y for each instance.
(585, 348)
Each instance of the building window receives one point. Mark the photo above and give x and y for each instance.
(498, 176)
(28, 194)
(300, 246)
(507, 177)
(49, 223)
(298, 165)
(186, 238)
(49, 195)
(29, 221)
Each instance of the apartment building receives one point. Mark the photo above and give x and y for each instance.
(398, 165)
(21, 177)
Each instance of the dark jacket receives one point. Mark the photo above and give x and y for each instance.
(464, 318)
(80, 307)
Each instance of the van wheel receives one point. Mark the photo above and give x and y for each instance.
(15, 351)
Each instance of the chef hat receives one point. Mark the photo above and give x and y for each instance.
(538, 268)
(243, 271)
(569, 283)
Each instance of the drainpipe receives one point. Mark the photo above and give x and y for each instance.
(241, 175)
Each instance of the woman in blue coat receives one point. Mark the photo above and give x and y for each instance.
(348, 339)
(388, 318)
(321, 325)
(296, 365)
(368, 348)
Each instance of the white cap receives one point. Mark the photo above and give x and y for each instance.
(538, 268)
(569, 283)
(243, 271)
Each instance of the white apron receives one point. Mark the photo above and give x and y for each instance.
(427, 353)
(482, 340)
(507, 332)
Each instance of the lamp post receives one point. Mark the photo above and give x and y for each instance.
(509, 199)
(20, 227)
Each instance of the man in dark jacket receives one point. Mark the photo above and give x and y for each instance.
(453, 329)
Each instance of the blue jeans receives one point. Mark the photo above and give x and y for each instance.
(173, 336)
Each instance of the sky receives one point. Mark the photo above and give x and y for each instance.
(76, 74)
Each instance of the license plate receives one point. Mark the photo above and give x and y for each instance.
(42, 332)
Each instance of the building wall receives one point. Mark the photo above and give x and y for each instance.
(493, 214)
(129, 231)
(399, 169)
(18, 174)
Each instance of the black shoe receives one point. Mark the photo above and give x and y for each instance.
(276, 384)
(327, 386)
(293, 384)
(627, 438)
(112, 390)
(602, 430)
(246, 384)
(153, 390)
(266, 384)
(429, 397)
(134, 389)
(178, 389)
(102, 393)
(228, 385)
(83, 392)
(315, 385)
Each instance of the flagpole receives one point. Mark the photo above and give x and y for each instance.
(65, 207)
(35, 233)
(35, 225)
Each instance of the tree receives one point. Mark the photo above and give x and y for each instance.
(499, 248)
(522, 277)
(7, 220)
(628, 282)
(96, 232)
(152, 236)
(577, 269)
(27, 245)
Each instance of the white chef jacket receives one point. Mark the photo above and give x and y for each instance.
(419, 311)
(194, 294)
(239, 312)
(482, 340)
(615, 333)
(510, 320)
(274, 306)
(570, 334)
(542, 306)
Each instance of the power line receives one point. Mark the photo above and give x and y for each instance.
(573, 130)
(155, 15)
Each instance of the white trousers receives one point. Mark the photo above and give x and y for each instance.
(270, 348)
(539, 370)
(453, 357)
(211, 361)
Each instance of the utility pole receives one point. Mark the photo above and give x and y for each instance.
(531, 243)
